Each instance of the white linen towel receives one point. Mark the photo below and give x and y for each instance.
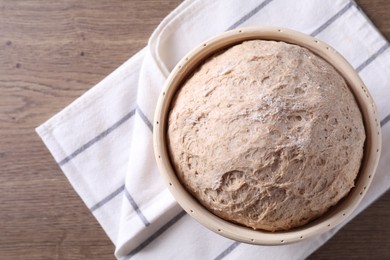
(103, 140)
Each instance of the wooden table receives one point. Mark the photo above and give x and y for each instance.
(51, 52)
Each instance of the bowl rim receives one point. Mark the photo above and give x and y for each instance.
(329, 220)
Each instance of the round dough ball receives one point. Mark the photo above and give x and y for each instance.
(266, 134)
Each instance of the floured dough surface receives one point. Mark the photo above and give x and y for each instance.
(266, 134)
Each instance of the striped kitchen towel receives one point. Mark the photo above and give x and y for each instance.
(103, 140)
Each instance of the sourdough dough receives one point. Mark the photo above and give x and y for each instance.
(266, 134)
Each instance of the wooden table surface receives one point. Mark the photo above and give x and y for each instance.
(51, 52)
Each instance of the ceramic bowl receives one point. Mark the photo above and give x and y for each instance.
(336, 214)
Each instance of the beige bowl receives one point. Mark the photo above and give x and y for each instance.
(336, 214)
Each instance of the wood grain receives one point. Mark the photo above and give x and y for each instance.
(51, 52)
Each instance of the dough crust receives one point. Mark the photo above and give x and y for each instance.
(266, 134)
